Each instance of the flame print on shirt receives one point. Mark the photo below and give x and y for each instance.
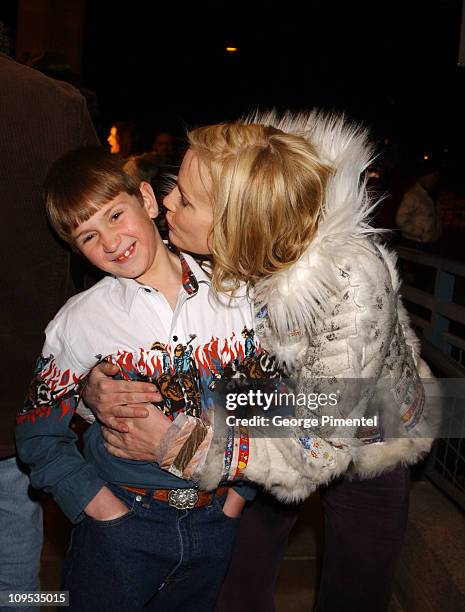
(186, 375)
(50, 389)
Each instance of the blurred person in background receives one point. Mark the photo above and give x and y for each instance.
(418, 216)
(163, 145)
(40, 119)
(123, 139)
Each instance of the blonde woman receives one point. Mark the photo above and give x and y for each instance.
(281, 205)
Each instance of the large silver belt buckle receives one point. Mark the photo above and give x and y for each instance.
(183, 499)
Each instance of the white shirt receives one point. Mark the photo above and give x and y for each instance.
(182, 351)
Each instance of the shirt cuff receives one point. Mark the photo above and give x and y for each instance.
(74, 492)
(246, 490)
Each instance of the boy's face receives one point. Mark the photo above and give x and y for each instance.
(121, 238)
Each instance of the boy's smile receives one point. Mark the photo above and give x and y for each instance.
(120, 238)
(127, 254)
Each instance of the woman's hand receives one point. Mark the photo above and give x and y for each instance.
(141, 438)
(112, 400)
(105, 506)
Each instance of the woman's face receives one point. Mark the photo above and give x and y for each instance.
(189, 211)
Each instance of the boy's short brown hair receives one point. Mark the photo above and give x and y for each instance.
(80, 183)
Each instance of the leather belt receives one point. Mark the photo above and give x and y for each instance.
(182, 499)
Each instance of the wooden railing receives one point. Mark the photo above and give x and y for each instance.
(443, 349)
(438, 315)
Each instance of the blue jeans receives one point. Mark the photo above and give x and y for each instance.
(152, 558)
(21, 532)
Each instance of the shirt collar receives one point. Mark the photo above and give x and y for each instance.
(192, 275)
(192, 270)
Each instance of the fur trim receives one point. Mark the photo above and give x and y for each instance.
(373, 459)
(211, 471)
(287, 471)
(280, 465)
(345, 215)
(208, 475)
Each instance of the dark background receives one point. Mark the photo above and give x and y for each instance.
(392, 65)
(164, 64)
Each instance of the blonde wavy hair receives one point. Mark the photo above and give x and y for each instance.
(267, 190)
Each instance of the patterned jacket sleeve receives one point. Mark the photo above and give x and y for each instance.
(44, 439)
(209, 452)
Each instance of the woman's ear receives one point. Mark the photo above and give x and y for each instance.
(150, 201)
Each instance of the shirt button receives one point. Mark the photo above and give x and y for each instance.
(138, 498)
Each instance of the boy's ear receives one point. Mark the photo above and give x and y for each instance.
(150, 201)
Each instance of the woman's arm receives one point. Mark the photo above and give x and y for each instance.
(197, 448)
(134, 428)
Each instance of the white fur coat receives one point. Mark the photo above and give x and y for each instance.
(336, 320)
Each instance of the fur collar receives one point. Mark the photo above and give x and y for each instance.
(296, 297)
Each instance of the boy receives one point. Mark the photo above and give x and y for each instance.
(143, 535)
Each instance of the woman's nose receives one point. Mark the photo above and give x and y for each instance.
(166, 203)
(169, 201)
